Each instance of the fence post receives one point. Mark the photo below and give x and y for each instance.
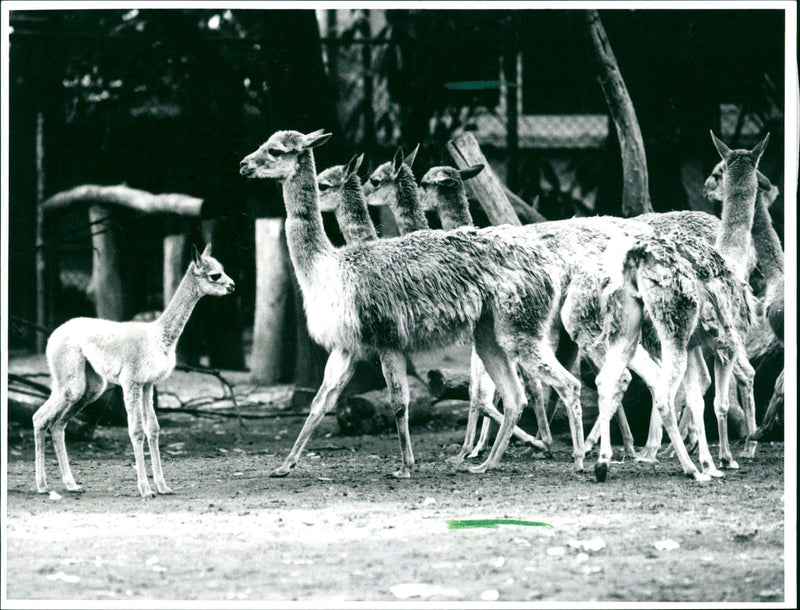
(272, 291)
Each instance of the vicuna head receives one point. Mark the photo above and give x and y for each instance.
(332, 180)
(277, 157)
(739, 165)
(209, 275)
(440, 183)
(380, 188)
(713, 188)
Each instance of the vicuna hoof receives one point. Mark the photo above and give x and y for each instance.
(455, 459)
(700, 477)
(601, 471)
(403, 473)
(729, 464)
(280, 472)
(646, 458)
(166, 491)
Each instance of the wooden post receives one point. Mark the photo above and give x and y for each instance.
(174, 247)
(486, 186)
(106, 287)
(272, 291)
(635, 191)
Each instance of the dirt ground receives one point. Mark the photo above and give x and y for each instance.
(339, 528)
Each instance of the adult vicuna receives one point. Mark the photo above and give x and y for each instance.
(769, 253)
(443, 192)
(84, 354)
(341, 193)
(405, 294)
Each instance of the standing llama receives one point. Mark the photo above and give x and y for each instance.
(443, 192)
(733, 241)
(85, 354)
(426, 289)
(769, 253)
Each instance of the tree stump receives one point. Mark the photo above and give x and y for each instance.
(371, 413)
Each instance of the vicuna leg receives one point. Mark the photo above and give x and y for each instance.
(723, 367)
(95, 386)
(622, 421)
(694, 388)
(133, 395)
(481, 393)
(505, 377)
(67, 368)
(338, 371)
(540, 360)
(393, 364)
(674, 366)
(775, 403)
(611, 384)
(486, 431)
(151, 430)
(745, 374)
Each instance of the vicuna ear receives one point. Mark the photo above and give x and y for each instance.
(410, 158)
(758, 150)
(316, 138)
(470, 172)
(195, 256)
(353, 165)
(207, 250)
(763, 182)
(397, 162)
(721, 147)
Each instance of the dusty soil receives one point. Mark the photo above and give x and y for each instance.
(339, 528)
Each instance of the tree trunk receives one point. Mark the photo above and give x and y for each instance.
(486, 186)
(272, 289)
(635, 192)
(106, 287)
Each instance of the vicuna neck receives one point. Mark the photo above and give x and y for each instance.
(177, 312)
(454, 209)
(733, 240)
(305, 235)
(766, 241)
(352, 214)
(407, 211)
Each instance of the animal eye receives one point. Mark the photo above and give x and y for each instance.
(214, 276)
(375, 181)
(323, 186)
(275, 152)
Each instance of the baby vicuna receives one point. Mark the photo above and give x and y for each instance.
(84, 354)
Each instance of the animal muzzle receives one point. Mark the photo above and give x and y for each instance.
(231, 287)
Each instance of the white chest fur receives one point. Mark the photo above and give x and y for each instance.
(329, 306)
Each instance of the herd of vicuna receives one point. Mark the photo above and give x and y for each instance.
(656, 295)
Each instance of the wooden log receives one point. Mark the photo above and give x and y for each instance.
(122, 195)
(486, 186)
(527, 213)
(636, 190)
(106, 288)
(449, 384)
(272, 288)
(370, 413)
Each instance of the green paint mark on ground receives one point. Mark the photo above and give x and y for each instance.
(460, 524)
(472, 85)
